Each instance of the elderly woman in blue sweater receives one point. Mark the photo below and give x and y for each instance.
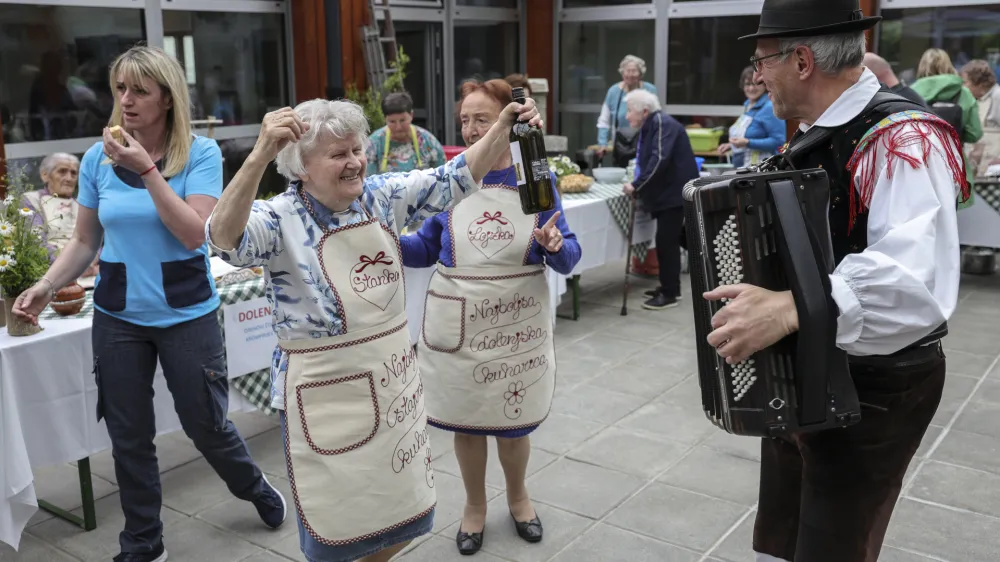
(485, 351)
(757, 134)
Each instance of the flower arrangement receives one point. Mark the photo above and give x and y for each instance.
(24, 258)
(568, 176)
(562, 166)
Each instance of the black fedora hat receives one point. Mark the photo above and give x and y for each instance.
(810, 18)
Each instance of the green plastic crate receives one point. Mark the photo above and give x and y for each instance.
(704, 140)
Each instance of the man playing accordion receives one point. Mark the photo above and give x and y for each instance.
(895, 172)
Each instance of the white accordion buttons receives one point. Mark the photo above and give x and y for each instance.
(729, 270)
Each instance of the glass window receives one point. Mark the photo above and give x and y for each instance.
(596, 3)
(580, 130)
(235, 63)
(54, 68)
(234, 155)
(590, 66)
(710, 74)
(964, 32)
(483, 51)
(489, 3)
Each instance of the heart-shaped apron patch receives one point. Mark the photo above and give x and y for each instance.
(376, 279)
(491, 233)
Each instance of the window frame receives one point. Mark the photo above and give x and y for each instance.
(661, 11)
(153, 20)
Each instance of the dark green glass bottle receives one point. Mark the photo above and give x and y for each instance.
(531, 166)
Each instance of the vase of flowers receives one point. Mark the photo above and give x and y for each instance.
(24, 258)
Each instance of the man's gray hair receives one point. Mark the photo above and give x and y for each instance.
(50, 162)
(643, 99)
(341, 119)
(832, 53)
(632, 59)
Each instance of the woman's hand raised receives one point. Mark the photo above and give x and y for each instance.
(521, 112)
(277, 130)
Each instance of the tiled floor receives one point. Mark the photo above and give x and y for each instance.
(625, 469)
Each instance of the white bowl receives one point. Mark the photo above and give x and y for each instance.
(609, 175)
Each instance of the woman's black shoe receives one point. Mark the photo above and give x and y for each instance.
(469, 543)
(530, 531)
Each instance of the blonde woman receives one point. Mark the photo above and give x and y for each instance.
(148, 196)
(940, 84)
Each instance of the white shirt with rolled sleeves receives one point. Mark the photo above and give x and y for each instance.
(905, 283)
(280, 235)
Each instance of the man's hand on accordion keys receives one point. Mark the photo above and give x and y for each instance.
(753, 319)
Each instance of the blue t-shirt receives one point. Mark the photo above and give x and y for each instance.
(147, 276)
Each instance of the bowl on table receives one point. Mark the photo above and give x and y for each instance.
(609, 175)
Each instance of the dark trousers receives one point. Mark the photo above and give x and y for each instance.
(669, 225)
(194, 365)
(828, 496)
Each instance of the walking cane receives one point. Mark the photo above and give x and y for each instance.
(628, 252)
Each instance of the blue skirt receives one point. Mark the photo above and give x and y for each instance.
(316, 551)
(503, 433)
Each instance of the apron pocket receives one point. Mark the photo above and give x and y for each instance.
(338, 415)
(443, 327)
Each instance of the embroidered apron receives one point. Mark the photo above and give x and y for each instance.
(358, 453)
(486, 347)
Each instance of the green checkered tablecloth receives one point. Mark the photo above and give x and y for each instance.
(256, 386)
(989, 190)
(618, 202)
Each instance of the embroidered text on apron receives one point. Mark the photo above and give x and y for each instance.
(358, 453)
(486, 347)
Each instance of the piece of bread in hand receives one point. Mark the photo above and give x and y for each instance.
(118, 133)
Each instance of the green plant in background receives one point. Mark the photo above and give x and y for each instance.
(371, 99)
(24, 258)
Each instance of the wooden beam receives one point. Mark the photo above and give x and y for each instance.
(870, 8)
(353, 15)
(541, 19)
(3, 163)
(309, 46)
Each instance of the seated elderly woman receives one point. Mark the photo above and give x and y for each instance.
(664, 163)
(54, 205)
(344, 373)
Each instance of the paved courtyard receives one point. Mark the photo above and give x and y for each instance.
(626, 468)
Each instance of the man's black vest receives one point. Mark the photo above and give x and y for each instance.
(832, 152)
(831, 149)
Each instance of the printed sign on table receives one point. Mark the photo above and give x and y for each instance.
(250, 340)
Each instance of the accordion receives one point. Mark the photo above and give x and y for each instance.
(769, 229)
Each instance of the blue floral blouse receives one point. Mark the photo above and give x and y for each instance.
(282, 236)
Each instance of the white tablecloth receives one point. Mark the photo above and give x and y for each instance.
(979, 225)
(48, 404)
(48, 395)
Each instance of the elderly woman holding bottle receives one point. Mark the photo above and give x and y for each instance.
(344, 375)
(485, 350)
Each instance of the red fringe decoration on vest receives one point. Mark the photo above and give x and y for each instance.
(895, 138)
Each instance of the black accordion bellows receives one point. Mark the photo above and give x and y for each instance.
(769, 229)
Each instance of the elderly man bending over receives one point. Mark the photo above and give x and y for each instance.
(664, 163)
